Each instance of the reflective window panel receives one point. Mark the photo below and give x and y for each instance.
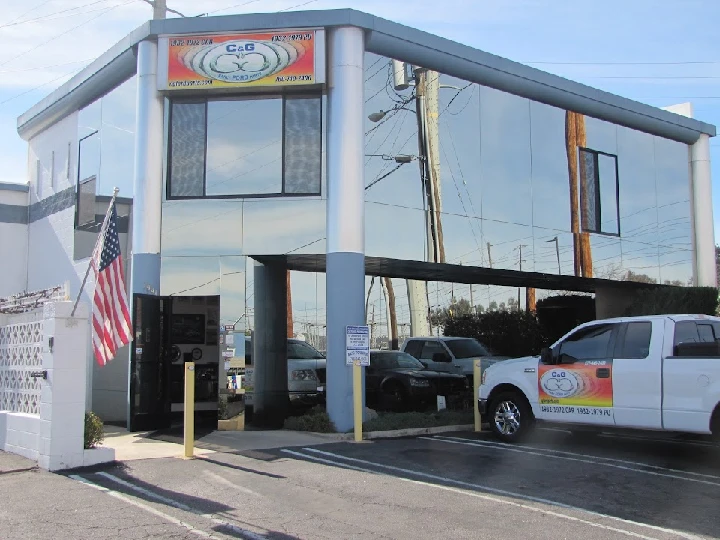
(303, 144)
(187, 149)
(244, 146)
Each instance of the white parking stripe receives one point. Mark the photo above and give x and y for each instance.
(476, 495)
(244, 533)
(145, 507)
(505, 493)
(589, 456)
(592, 460)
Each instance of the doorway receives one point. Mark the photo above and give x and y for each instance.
(170, 331)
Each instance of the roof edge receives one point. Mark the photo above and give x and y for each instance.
(384, 37)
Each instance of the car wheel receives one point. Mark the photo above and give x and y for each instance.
(510, 417)
(395, 397)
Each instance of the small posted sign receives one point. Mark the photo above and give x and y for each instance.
(357, 345)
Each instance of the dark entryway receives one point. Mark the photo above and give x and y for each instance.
(169, 331)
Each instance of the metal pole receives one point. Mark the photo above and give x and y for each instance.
(489, 254)
(357, 401)
(189, 410)
(100, 240)
(159, 9)
(477, 377)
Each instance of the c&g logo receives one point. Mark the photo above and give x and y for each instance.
(560, 383)
(242, 61)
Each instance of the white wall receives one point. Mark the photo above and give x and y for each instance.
(13, 247)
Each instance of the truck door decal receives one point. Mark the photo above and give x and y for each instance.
(584, 387)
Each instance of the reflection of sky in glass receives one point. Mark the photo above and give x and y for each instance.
(503, 160)
(244, 147)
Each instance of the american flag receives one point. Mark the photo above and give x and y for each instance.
(111, 321)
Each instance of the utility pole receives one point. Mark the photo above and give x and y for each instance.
(557, 251)
(521, 260)
(392, 315)
(489, 254)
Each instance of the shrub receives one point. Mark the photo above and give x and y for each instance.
(316, 420)
(674, 300)
(94, 430)
(392, 421)
(507, 333)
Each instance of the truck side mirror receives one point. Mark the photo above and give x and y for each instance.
(546, 355)
(440, 357)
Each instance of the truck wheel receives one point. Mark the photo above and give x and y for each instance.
(510, 417)
(715, 425)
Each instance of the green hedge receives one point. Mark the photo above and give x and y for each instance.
(508, 333)
(674, 300)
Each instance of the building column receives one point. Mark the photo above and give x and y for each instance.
(703, 226)
(148, 177)
(345, 213)
(269, 341)
(147, 181)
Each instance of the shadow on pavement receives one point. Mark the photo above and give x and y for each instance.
(240, 468)
(671, 484)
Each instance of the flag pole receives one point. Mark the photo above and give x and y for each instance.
(99, 242)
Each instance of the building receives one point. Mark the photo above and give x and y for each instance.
(338, 144)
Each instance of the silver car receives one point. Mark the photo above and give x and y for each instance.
(306, 371)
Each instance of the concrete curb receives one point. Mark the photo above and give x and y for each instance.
(396, 433)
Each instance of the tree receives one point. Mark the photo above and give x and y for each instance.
(493, 306)
(457, 308)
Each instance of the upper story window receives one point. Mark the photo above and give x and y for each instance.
(599, 192)
(245, 147)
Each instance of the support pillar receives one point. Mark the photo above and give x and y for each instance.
(703, 227)
(270, 395)
(147, 181)
(148, 178)
(345, 214)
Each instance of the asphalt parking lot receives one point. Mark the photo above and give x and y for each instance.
(460, 485)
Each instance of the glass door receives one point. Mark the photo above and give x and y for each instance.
(150, 364)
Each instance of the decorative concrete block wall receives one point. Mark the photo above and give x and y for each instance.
(43, 378)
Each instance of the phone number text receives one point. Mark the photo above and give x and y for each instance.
(573, 410)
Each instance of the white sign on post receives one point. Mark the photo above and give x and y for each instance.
(357, 345)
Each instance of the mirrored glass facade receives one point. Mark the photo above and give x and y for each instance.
(106, 157)
(521, 186)
(517, 176)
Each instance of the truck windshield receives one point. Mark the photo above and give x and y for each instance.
(302, 351)
(467, 348)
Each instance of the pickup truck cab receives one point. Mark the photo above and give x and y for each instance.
(657, 373)
(447, 354)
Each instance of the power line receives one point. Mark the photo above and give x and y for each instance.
(30, 11)
(51, 16)
(682, 63)
(54, 38)
(231, 7)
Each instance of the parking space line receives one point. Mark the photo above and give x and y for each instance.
(244, 533)
(143, 506)
(483, 496)
(332, 458)
(593, 460)
(590, 456)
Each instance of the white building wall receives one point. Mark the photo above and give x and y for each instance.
(13, 244)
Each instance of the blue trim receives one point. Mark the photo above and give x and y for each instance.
(6, 186)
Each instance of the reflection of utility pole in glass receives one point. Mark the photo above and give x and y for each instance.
(557, 251)
(575, 137)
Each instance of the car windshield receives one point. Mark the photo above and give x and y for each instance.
(391, 360)
(467, 348)
(302, 351)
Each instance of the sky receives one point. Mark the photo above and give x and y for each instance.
(660, 52)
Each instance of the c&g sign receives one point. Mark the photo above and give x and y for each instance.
(242, 60)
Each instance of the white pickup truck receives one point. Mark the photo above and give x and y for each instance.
(657, 373)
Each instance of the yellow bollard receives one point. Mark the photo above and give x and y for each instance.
(476, 385)
(189, 409)
(357, 400)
